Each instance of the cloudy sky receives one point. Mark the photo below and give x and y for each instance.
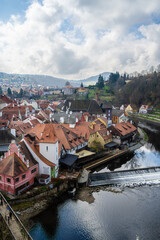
(75, 39)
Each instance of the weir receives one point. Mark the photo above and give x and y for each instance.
(14, 224)
(125, 177)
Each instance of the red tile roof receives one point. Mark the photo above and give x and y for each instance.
(12, 166)
(105, 134)
(125, 128)
(53, 132)
(45, 133)
(28, 156)
(6, 99)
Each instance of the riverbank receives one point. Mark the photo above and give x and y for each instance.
(156, 122)
(26, 214)
(28, 207)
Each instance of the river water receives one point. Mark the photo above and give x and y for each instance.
(133, 213)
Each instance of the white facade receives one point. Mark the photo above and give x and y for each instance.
(123, 118)
(2, 105)
(50, 152)
(43, 168)
(34, 105)
(25, 103)
(141, 110)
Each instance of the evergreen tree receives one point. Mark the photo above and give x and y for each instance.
(67, 83)
(1, 92)
(9, 92)
(100, 83)
(21, 93)
(81, 84)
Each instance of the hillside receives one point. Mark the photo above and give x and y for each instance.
(140, 90)
(49, 80)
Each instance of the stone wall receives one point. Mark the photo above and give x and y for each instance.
(4, 231)
(63, 187)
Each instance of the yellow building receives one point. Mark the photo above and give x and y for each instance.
(82, 91)
(100, 120)
(101, 136)
(130, 109)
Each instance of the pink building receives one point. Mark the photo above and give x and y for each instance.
(17, 171)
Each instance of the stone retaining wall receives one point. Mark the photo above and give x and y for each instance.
(63, 187)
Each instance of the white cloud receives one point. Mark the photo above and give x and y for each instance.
(76, 39)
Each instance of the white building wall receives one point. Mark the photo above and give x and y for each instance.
(116, 140)
(43, 168)
(34, 104)
(50, 152)
(2, 105)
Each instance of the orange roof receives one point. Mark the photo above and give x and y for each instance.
(28, 156)
(45, 133)
(81, 129)
(56, 103)
(125, 128)
(105, 134)
(34, 122)
(12, 166)
(69, 86)
(144, 107)
(53, 132)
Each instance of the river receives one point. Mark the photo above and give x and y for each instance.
(133, 213)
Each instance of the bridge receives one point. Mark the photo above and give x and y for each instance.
(14, 224)
(125, 177)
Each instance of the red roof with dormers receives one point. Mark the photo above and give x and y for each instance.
(53, 132)
(124, 128)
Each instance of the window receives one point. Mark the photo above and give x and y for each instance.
(23, 176)
(17, 179)
(33, 170)
(8, 180)
(47, 148)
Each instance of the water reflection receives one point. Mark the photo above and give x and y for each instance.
(123, 216)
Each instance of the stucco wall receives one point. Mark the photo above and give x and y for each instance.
(49, 151)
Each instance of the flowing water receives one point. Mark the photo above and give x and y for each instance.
(133, 213)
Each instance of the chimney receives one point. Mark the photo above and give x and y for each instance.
(13, 132)
(97, 97)
(27, 163)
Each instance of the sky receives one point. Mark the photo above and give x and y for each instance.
(76, 39)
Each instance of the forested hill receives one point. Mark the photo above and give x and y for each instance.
(140, 90)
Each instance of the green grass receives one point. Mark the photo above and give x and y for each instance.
(145, 135)
(146, 117)
(106, 87)
(22, 206)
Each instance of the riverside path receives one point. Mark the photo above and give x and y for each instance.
(12, 221)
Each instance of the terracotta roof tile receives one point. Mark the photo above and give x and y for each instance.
(12, 166)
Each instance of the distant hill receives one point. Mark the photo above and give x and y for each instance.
(92, 80)
(49, 80)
